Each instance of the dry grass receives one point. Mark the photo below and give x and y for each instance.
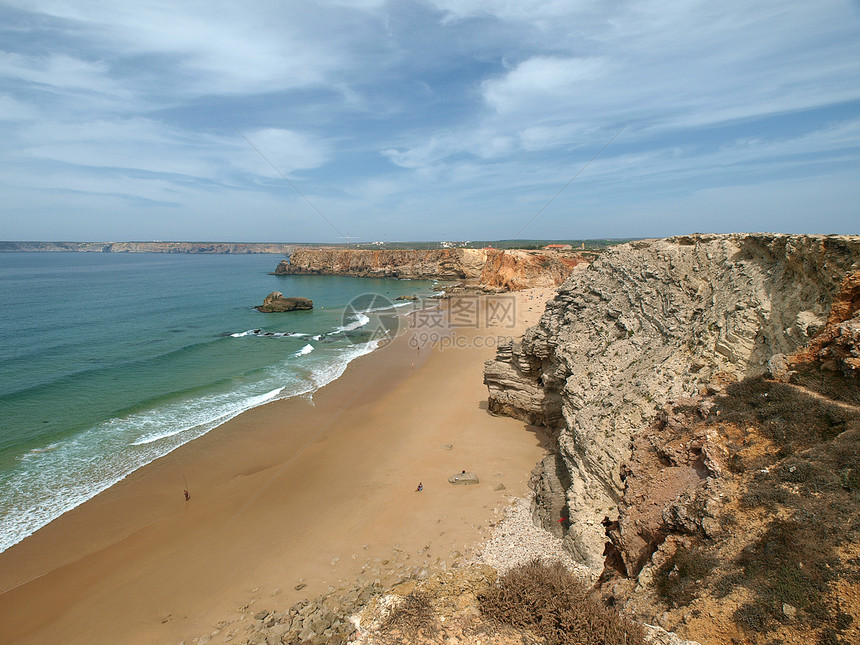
(413, 613)
(810, 487)
(549, 602)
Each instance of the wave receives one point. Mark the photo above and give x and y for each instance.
(52, 480)
(307, 349)
(268, 334)
(360, 321)
(251, 402)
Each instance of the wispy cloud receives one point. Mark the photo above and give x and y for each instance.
(396, 118)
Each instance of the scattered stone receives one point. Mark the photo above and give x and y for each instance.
(658, 636)
(500, 487)
(516, 540)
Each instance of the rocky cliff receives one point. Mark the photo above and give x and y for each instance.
(518, 269)
(491, 268)
(649, 322)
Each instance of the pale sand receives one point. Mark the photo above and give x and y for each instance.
(278, 494)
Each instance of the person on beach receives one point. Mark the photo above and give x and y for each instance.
(420, 487)
(187, 495)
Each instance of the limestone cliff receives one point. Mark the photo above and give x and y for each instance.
(490, 268)
(452, 264)
(648, 322)
(518, 269)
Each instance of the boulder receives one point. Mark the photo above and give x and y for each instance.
(464, 478)
(277, 302)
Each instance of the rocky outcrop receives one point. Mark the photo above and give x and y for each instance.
(277, 302)
(489, 268)
(648, 322)
(837, 347)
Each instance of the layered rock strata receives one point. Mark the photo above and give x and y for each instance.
(490, 268)
(648, 322)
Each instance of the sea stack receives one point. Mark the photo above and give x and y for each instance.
(277, 302)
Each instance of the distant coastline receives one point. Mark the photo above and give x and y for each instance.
(147, 247)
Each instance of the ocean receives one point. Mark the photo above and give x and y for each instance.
(109, 361)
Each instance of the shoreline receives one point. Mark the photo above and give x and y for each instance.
(139, 564)
(53, 509)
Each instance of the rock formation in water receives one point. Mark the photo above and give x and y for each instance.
(492, 269)
(277, 302)
(648, 322)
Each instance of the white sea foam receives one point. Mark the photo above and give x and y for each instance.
(269, 334)
(199, 417)
(307, 349)
(52, 480)
(360, 321)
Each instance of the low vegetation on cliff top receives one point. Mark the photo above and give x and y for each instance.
(797, 470)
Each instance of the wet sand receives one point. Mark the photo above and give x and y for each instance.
(300, 491)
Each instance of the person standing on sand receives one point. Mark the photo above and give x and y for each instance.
(187, 495)
(420, 487)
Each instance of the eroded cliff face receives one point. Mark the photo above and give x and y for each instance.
(648, 322)
(519, 269)
(451, 264)
(490, 268)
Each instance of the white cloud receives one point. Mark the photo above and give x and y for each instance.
(59, 72)
(154, 147)
(287, 150)
(538, 80)
(218, 46)
(483, 107)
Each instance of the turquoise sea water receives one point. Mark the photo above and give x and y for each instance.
(109, 361)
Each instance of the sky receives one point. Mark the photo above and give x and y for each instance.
(364, 120)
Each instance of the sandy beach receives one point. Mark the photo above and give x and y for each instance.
(305, 491)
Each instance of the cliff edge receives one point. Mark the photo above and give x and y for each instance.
(648, 322)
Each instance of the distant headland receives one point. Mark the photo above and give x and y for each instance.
(147, 247)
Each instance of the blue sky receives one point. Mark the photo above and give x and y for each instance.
(437, 119)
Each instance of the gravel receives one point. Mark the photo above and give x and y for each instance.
(516, 540)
